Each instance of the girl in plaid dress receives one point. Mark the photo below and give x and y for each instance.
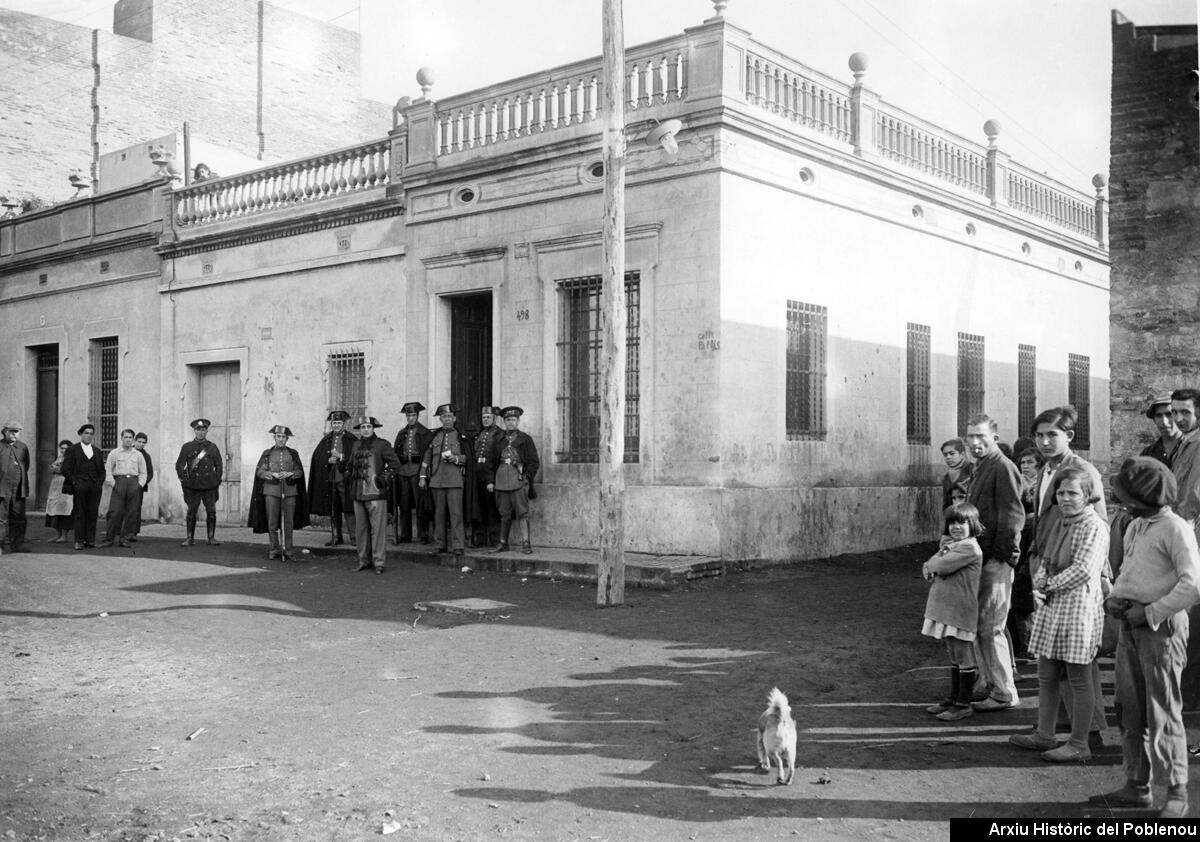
(952, 610)
(1066, 629)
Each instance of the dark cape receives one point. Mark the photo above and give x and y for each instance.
(319, 497)
(257, 518)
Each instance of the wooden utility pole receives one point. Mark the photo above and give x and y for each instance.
(610, 578)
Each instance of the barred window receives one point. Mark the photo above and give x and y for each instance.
(579, 350)
(917, 378)
(970, 378)
(348, 381)
(1079, 395)
(1026, 389)
(102, 390)
(804, 392)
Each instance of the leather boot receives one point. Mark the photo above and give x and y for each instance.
(191, 532)
(211, 523)
(502, 547)
(525, 548)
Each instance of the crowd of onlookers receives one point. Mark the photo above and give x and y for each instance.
(1032, 565)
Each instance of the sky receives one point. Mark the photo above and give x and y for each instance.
(1039, 67)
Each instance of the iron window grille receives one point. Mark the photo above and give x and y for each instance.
(1026, 389)
(580, 348)
(1079, 395)
(103, 390)
(970, 378)
(804, 392)
(348, 382)
(917, 379)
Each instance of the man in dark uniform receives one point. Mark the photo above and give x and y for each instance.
(14, 487)
(327, 477)
(140, 441)
(442, 469)
(514, 461)
(372, 463)
(481, 509)
(278, 503)
(83, 472)
(199, 468)
(410, 447)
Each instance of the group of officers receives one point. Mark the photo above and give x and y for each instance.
(442, 479)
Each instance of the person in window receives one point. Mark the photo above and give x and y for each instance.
(514, 463)
(203, 173)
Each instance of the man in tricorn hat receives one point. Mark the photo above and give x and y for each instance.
(1169, 436)
(14, 486)
(514, 462)
(199, 467)
(442, 469)
(479, 507)
(1159, 580)
(410, 446)
(327, 478)
(278, 502)
(373, 463)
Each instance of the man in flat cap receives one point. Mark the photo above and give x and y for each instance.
(1169, 436)
(327, 478)
(514, 463)
(442, 469)
(279, 502)
(479, 506)
(14, 487)
(373, 463)
(199, 467)
(1159, 580)
(84, 473)
(410, 446)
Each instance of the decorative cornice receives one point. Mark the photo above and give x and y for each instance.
(124, 242)
(463, 258)
(594, 238)
(308, 223)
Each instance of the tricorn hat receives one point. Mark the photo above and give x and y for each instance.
(495, 410)
(512, 412)
(412, 406)
(280, 430)
(1158, 401)
(201, 424)
(338, 415)
(447, 407)
(366, 419)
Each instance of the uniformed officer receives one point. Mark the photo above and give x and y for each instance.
(327, 477)
(199, 467)
(410, 447)
(514, 461)
(278, 503)
(483, 510)
(442, 469)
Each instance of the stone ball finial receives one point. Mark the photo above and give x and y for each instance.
(1099, 182)
(992, 129)
(426, 78)
(719, 8)
(858, 64)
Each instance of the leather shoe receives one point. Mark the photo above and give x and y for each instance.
(332, 542)
(500, 548)
(953, 714)
(1175, 807)
(1067, 753)
(378, 571)
(1034, 741)
(362, 565)
(125, 544)
(1130, 795)
(78, 545)
(991, 705)
(104, 544)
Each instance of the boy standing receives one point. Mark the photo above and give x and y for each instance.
(1158, 582)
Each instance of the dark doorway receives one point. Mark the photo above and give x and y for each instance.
(46, 422)
(471, 356)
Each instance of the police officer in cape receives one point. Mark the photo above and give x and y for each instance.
(411, 443)
(442, 469)
(479, 504)
(514, 463)
(199, 467)
(279, 502)
(327, 476)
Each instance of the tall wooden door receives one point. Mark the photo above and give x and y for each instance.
(46, 422)
(221, 403)
(471, 356)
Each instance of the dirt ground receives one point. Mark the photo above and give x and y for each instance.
(332, 709)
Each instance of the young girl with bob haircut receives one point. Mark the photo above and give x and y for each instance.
(1066, 629)
(952, 610)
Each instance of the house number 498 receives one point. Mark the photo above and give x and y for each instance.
(522, 315)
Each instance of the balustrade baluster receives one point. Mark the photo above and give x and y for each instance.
(593, 98)
(540, 109)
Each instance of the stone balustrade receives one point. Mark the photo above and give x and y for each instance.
(1040, 196)
(797, 93)
(350, 170)
(933, 151)
(566, 97)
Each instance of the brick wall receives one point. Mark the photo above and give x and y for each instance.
(1154, 216)
(200, 67)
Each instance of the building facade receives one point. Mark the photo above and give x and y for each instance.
(821, 289)
(1155, 166)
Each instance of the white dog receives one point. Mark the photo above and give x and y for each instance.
(777, 736)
